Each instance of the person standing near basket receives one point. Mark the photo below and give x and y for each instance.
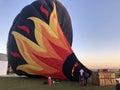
(81, 77)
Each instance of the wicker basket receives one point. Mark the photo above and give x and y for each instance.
(104, 78)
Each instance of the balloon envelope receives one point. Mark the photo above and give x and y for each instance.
(39, 42)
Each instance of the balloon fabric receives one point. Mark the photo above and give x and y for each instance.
(40, 40)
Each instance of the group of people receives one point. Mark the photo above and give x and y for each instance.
(83, 76)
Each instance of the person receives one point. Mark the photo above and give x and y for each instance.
(117, 85)
(85, 75)
(81, 77)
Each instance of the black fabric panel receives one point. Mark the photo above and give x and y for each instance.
(69, 64)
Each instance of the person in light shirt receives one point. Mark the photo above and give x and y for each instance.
(81, 72)
(81, 77)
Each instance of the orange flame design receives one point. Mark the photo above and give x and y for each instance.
(48, 55)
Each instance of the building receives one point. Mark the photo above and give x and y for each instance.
(3, 64)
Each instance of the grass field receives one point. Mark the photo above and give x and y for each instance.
(24, 83)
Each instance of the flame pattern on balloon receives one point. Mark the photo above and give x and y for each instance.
(45, 57)
(39, 42)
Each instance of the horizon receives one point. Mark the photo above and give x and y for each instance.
(94, 67)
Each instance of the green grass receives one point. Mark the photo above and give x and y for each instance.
(24, 83)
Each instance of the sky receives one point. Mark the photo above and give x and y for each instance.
(96, 29)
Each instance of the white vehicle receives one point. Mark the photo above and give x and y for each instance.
(118, 79)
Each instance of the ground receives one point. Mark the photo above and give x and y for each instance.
(24, 83)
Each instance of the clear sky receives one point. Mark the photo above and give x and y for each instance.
(96, 29)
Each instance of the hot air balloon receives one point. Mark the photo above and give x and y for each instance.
(39, 42)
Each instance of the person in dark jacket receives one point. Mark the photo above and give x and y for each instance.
(86, 75)
(117, 85)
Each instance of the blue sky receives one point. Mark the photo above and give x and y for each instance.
(96, 29)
